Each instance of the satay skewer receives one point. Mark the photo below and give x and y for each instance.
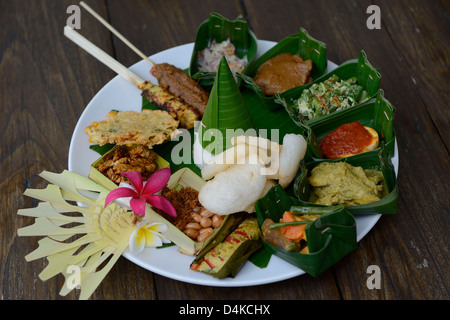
(175, 80)
(183, 112)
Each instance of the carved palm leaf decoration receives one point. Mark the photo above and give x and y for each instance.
(82, 239)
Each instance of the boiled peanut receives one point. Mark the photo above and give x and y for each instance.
(206, 230)
(205, 222)
(196, 217)
(206, 213)
(193, 225)
(217, 220)
(192, 233)
(204, 234)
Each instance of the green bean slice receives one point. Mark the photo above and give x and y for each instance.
(299, 210)
(287, 224)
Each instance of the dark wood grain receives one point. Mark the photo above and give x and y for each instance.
(424, 53)
(292, 289)
(46, 81)
(163, 24)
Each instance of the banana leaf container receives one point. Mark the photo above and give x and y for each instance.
(185, 178)
(225, 258)
(104, 181)
(377, 161)
(329, 238)
(226, 112)
(377, 113)
(300, 43)
(219, 28)
(366, 75)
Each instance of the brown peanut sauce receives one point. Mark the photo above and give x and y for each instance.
(283, 72)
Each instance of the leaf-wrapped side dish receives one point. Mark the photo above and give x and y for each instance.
(115, 165)
(357, 72)
(301, 44)
(372, 163)
(219, 29)
(227, 257)
(377, 113)
(226, 111)
(329, 238)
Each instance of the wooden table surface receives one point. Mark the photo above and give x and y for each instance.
(46, 81)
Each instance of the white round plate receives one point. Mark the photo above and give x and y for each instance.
(119, 94)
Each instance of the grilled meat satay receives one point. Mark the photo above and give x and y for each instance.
(177, 108)
(178, 83)
(184, 113)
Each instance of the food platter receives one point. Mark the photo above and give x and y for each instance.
(120, 94)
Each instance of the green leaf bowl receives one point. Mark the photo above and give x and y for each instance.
(367, 76)
(368, 161)
(300, 43)
(330, 237)
(219, 28)
(377, 113)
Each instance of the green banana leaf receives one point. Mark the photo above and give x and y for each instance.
(330, 237)
(225, 111)
(220, 29)
(270, 124)
(377, 113)
(232, 254)
(380, 161)
(300, 43)
(367, 76)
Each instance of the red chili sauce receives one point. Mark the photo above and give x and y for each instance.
(350, 138)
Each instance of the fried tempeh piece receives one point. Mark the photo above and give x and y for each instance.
(148, 128)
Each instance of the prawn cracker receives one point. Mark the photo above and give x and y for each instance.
(149, 128)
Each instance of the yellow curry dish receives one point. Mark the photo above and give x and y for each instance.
(341, 183)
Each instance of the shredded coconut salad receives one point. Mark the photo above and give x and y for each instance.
(209, 58)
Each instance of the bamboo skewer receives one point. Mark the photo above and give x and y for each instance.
(196, 98)
(115, 32)
(102, 56)
(186, 112)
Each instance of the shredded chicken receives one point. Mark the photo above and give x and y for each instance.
(138, 159)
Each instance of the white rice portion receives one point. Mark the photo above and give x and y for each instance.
(209, 58)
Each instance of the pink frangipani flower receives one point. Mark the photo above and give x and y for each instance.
(144, 193)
